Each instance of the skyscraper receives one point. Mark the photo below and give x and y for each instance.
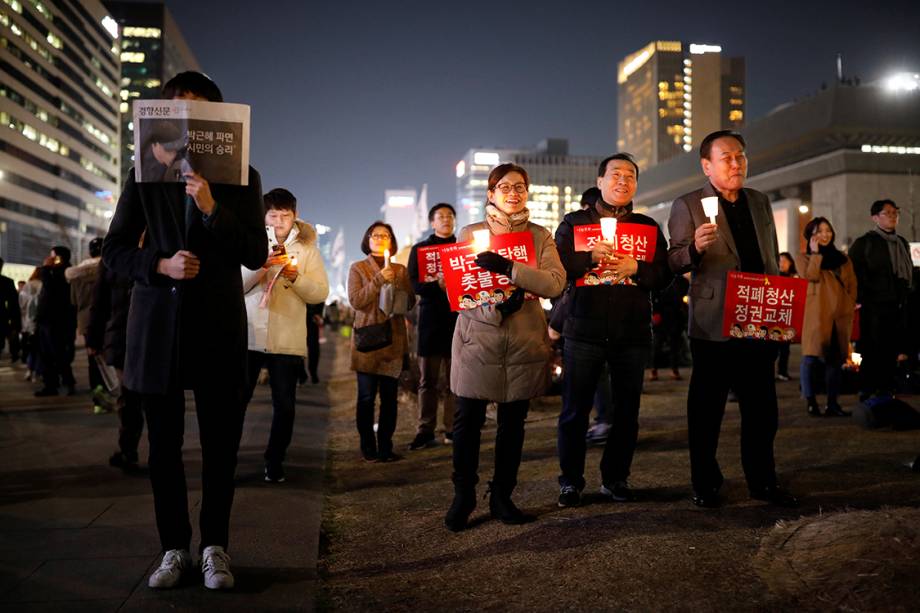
(401, 212)
(59, 162)
(557, 180)
(672, 94)
(152, 51)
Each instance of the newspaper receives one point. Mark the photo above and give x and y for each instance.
(174, 137)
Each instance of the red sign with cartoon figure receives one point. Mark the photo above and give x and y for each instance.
(633, 239)
(429, 263)
(764, 307)
(468, 286)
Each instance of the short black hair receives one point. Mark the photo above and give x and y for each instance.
(366, 241)
(878, 205)
(280, 199)
(706, 145)
(62, 252)
(95, 247)
(590, 197)
(191, 82)
(440, 205)
(602, 167)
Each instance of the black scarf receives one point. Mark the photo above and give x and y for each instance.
(832, 258)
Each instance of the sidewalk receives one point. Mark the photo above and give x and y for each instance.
(77, 535)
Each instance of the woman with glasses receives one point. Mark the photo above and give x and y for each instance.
(501, 352)
(828, 314)
(379, 341)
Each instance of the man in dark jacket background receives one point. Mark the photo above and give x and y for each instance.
(56, 320)
(187, 331)
(881, 260)
(10, 316)
(435, 331)
(606, 324)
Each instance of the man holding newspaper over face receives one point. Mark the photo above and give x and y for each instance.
(277, 296)
(187, 321)
(736, 234)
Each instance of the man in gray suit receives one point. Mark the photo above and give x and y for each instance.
(742, 239)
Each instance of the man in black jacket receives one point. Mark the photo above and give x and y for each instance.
(56, 321)
(10, 317)
(607, 323)
(881, 260)
(187, 331)
(435, 330)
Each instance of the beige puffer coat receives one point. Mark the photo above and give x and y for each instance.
(831, 302)
(364, 283)
(507, 359)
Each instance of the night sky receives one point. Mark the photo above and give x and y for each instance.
(351, 98)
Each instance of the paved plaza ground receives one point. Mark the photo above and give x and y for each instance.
(341, 534)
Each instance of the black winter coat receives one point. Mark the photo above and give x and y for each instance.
(610, 314)
(436, 321)
(54, 307)
(192, 333)
(108, 316)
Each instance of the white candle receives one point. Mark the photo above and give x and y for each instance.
(481, 240)
(386, 258)
(711, 207)
(609, 228)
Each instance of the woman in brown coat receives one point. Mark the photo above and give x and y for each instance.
(828, 313)
(379, 369)
(501, 353)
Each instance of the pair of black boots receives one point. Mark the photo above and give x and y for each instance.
(832, 410)
(501, 507)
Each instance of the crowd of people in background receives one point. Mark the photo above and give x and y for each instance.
(204, 287)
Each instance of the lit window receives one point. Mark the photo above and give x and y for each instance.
(132, 57)
(123, 107)
(136, 32)
(735, 115)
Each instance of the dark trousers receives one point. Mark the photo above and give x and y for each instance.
(469, 418)
(782, 366)
(673, 339)
(312, 348)
(11, 335)
(220, 425)
(56, 355)
(430, 386)
(583, 364)
(283, 371)
(746, 367)
(95, 377)
(130, 421)
(880, 334)
(368, 386)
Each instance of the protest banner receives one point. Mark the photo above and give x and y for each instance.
(173, 137)
(467, 285)
(429, 263)
(633, 239)
(764, 307)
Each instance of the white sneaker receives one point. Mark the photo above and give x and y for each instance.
(169, 574)
(215, 565)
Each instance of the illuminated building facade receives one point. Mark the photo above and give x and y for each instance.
(557, 180)
(59, 162)
(400, 211)
(152, 51)
(672, 94)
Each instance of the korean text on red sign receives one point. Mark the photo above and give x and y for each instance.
(764, 307)
(635, 240)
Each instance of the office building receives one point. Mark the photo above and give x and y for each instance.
(557, 180)
(400, 211)
(59, 158)
(672, 94)
(153, 50)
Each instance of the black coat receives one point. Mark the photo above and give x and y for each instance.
(108, 315)
(620, 314)
(10, 317)
(55, 311)
(436, 321)
(190, 333)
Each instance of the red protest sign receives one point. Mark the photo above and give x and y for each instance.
(633, 239)
(469, 286)
(764, 307)
(429, 263)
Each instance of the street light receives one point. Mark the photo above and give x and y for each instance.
(903, 82)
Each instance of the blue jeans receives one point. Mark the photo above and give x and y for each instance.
(584, 363)
(368, 385)
(832, 376)
(283, 371)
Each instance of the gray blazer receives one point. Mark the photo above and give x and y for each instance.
(709, 272)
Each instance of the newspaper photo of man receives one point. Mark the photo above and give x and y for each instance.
(164, 151)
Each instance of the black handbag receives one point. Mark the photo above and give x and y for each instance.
(373, 337)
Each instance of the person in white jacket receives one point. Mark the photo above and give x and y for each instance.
(276, 298)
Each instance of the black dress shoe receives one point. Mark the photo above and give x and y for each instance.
(707, 500)
(775, 495)
(835, 410)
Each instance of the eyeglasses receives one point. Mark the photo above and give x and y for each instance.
(380, 237)
(506, 188)
(891, 214)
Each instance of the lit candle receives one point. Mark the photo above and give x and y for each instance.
(609, 228)
(711, 207)
(386, 258)
(481, 240)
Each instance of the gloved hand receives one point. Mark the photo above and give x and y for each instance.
(491, 261)
(513, 304)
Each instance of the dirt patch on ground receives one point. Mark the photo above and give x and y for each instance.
(854, 561)
(386, 547)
